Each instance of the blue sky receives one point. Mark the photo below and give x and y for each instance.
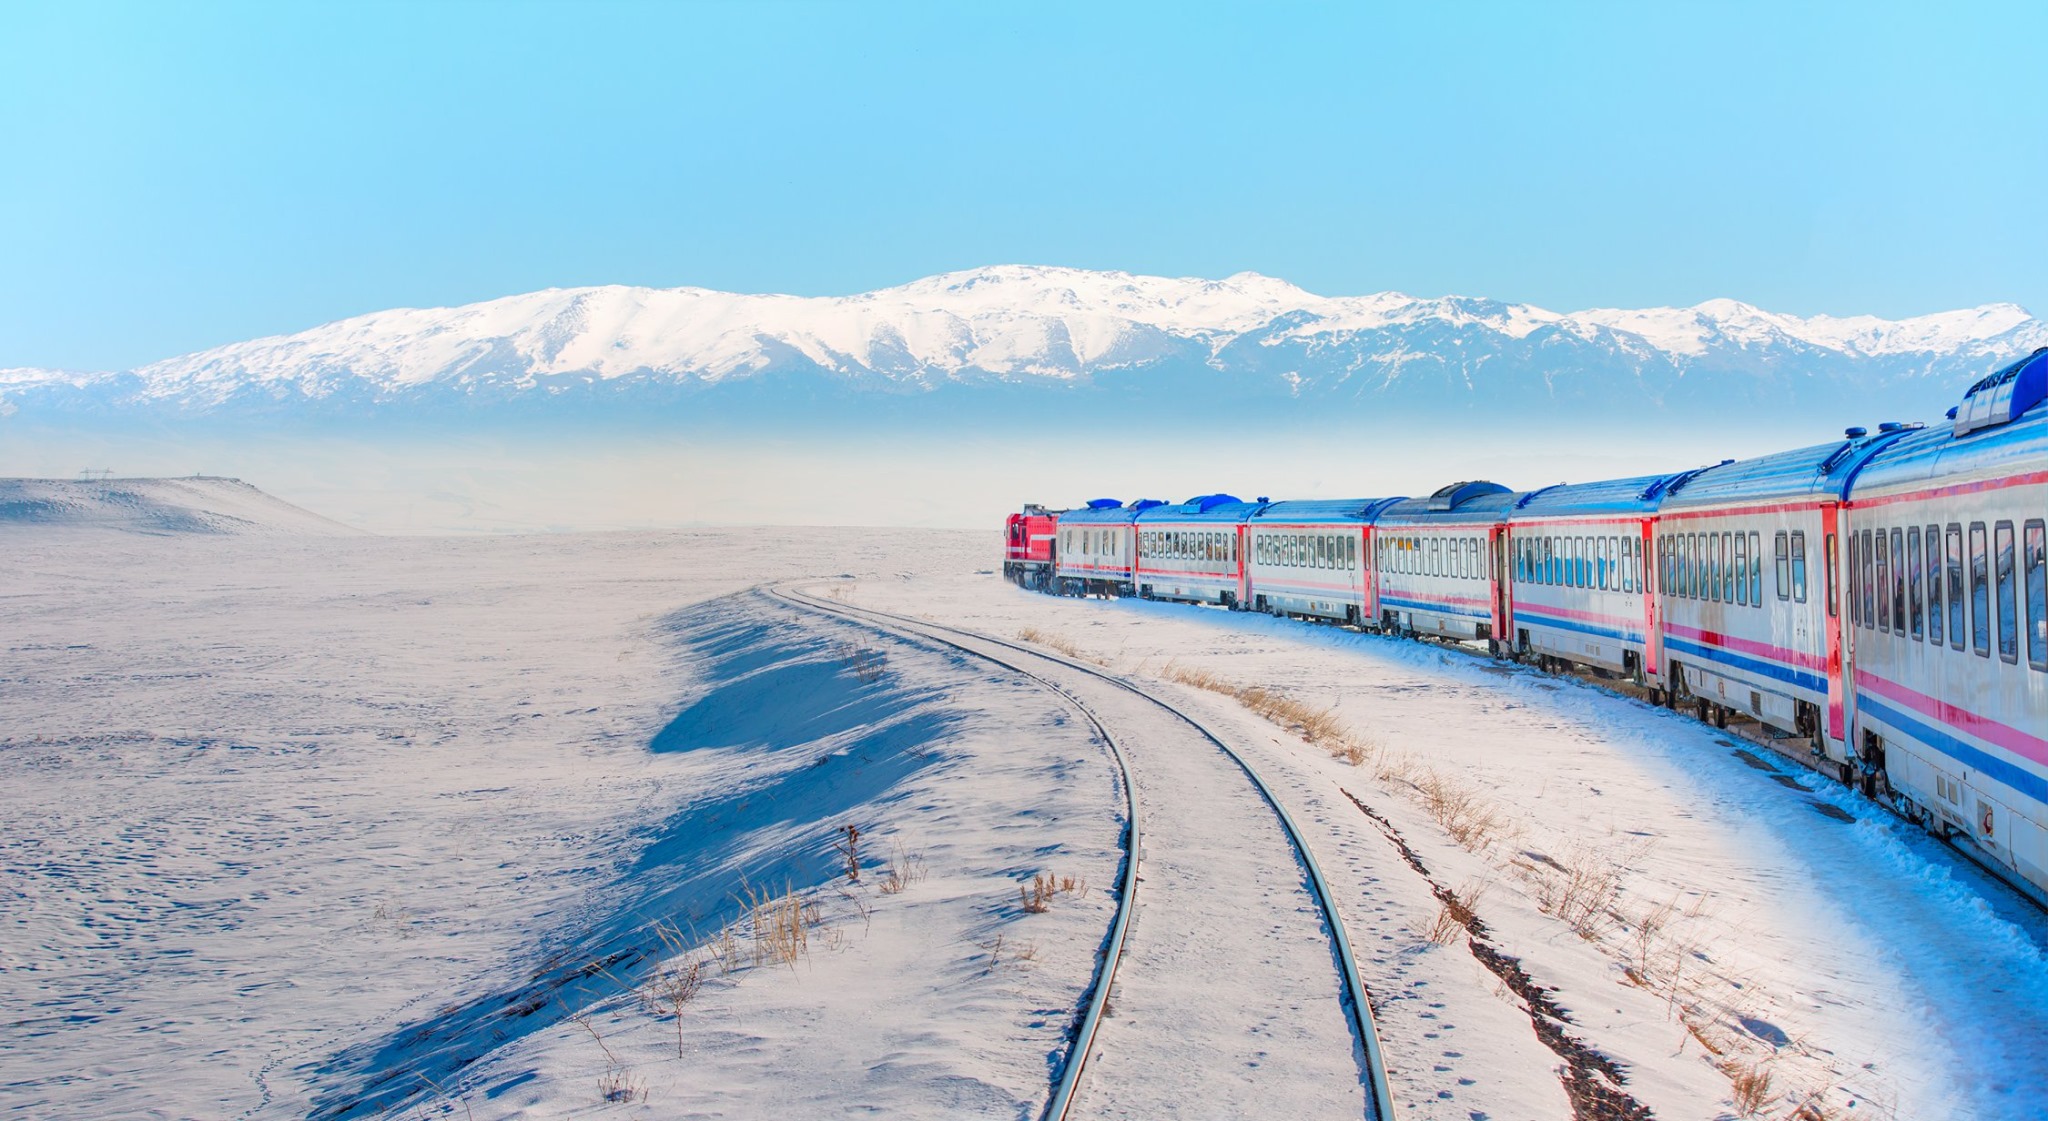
(174, 177)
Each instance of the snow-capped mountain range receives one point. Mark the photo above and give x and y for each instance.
(1244, 338)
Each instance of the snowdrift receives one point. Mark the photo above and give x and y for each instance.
(202, 504)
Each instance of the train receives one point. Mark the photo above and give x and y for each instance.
(1877, 604)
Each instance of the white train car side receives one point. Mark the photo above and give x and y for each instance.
(1949, 622)
(1437, 562)
(1580, 590)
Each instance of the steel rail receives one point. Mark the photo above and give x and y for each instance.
(1326, 899)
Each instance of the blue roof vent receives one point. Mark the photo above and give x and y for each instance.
(1146, 503)
(2005, 395)
(1103, 504)
(1855, 433)
(1203, 503)
(1951, 413)
(1457, 494)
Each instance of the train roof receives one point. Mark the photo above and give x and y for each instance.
(2007, 448)
(1359, 510)
(1107, 511)
(1638, 495)
(1460, 503)
(1204, 508)
(1818, 471)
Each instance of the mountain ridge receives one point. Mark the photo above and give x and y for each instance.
(1247, 335)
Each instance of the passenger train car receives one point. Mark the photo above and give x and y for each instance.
(1882, 598)
(1580, 590)
(1194, 551)
(1313, 559)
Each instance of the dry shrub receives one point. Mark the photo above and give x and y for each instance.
(1472, 821)
(863, 659)
(617, 1084)
(1643, 938)
(848, 848)
(1749, 1085)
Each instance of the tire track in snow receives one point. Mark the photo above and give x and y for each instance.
(1214, 1005)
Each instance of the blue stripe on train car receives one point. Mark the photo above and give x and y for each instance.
(1438, 608)
(1758, 666)
(1555, 623)
(2024, 781)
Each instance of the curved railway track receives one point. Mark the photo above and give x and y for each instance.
(1019, 659)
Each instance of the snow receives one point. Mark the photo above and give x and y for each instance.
(198, 504)
(301, 822)
(1006, 321)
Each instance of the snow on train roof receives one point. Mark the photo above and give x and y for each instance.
(1324, 510)
(1473, 501)
(1608, 496)
(2012, 447)
(1816, 471)
(1204, 508)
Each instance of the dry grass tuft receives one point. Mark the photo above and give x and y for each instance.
(1455, 914)
(1060, 644)
(617, 1084)
(1472, 821)
(781, 925)
(904, 868)
(1319, 726)
(1036, 897)
(1584, 894)
(1749, 1085)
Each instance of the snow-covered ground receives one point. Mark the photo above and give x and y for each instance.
(363, 826)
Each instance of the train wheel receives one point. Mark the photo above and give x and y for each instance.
(1720, 716)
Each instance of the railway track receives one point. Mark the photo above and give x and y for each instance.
(1193, 891)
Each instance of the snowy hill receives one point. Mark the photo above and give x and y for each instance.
(1245, 338)
(200, 504)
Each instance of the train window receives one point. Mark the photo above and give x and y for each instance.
(1898, 583)
(1980, 592)
(1741, 570)
(1913, 579)
(1351, 554)
(1725, 554)
(1831, 559)
(1855, 580)
(1869, 583)
(1799, 569)
(1783, 572)
(1610, 574)
(1756, 569)
(2008, 594)
(2037, 594)
(1664, 580)
(1884, 583)
(1689, 566)
(1582, 561)
(1954, 540)
(1472, 558)
(1933, 554)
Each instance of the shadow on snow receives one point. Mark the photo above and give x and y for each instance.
(832, 739)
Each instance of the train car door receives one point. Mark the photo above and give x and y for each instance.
(1241, 537)
(1838, 720)
(1497, 571)
(1648, 572)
